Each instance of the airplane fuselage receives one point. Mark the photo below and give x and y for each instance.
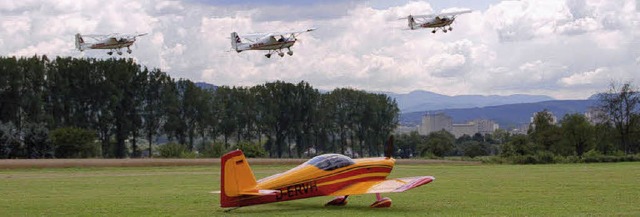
(307, 181)
(436, 23)
(267, 45)
(111, 44)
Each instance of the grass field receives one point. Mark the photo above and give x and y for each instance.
(459, 190)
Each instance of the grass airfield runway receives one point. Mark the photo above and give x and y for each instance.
(459, 190)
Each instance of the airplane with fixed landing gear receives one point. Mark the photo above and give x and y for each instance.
(440, 21)
(324, 175)
(113, 42)
(273, 42)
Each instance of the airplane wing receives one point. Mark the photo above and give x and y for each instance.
(439, 15)
(382, 186)
(254, 36)
(293, 32)
(454, 13)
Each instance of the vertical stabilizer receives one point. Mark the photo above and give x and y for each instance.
(79, 42)
(235, 40)
(236, 178)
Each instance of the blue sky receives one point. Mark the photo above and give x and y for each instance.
(567, 49)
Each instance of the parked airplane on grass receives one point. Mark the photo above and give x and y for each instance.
(323, 175)
(441, 21)
(273, 42)
(112, 42)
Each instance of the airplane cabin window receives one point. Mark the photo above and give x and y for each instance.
(330, 162)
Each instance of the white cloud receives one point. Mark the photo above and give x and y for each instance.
(587, 78)
(530, 46)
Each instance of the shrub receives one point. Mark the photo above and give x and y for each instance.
(213, 150)
(172, 150)
(71, 142)
(252, 149)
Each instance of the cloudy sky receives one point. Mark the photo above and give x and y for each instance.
(565, 49)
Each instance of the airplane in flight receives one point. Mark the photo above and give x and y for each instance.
(112, 42)
(441, 21)
(273, 42)
(323, 175)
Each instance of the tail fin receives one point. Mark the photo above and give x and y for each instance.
(79, 42)
(235, 40)
(236, 179)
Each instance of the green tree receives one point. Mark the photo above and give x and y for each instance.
(543, 131)
(620, 103)
(577, 133)
(438, 143)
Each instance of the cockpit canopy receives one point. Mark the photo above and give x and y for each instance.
(330, 162)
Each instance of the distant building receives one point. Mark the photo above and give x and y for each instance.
(470, 129)
(400, 129)
(435, 122)
(595, 115)
(486, 126)
(521, 129)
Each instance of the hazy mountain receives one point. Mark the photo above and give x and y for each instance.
(206, 86)
(425, 101)
(505, 115)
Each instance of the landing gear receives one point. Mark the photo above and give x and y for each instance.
(381, 202)
(119, 52)
(110, 52)
(128, 50)
(290, 52)
(444, 30)
(281, 54)
(450, 29)
(268, 55)
(434, 31)
(338, 201)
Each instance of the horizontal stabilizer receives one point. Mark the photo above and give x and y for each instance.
(258, 192)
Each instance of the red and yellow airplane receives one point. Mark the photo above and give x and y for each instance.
(323, 175)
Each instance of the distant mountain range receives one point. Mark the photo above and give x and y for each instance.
(427, 101)
(507, 116)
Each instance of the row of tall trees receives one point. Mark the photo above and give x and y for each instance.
(122, 102)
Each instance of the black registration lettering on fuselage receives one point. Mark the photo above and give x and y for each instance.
(297, 190)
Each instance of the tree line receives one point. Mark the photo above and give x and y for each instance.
(70, 107)
(610, 133)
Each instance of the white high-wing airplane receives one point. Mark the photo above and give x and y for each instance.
(436, 21)
(273, 42)
(112, 42)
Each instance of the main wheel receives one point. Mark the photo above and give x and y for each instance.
(109, 52)
(290, 53)
(268, 55)
(119, 52)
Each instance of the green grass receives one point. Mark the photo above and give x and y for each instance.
(489, 190)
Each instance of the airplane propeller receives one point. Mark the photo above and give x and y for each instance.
(388, 149)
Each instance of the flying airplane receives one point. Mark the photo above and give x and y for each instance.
(441, 21)
(113, 42)
(273, 42)
(323, 175)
